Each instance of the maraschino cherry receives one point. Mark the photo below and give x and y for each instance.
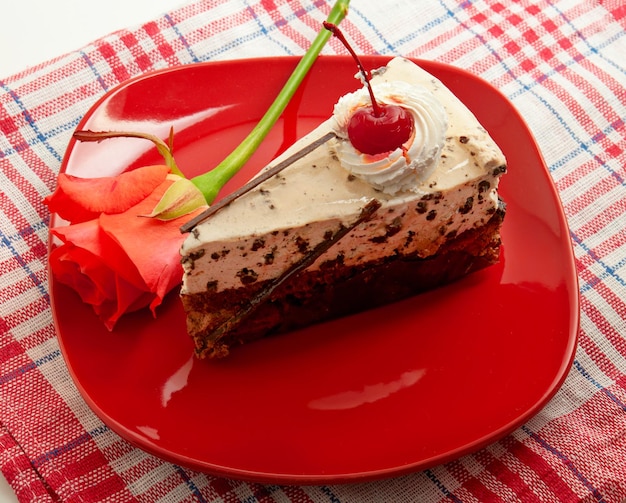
(377, 128)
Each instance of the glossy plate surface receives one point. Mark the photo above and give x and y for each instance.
(382, 393)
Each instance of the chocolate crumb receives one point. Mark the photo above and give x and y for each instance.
(247, 276)
(223, 253)
(433, 196)
(499, 170)
(483, 186)
(409, 238)
(467, 207)
(394, 227)
(302, 244)
(269, 257)
(197, 254)
(431, 215)
(258, 244)
(463, 139)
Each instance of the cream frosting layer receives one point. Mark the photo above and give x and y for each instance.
(268, 229)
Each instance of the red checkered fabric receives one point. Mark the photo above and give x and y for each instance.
(562, 63)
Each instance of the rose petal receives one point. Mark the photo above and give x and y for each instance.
(89, 237)
(93, 264)
(97, 285)
(151, 244)
(80, 199)
(123, 261)
(83, 272)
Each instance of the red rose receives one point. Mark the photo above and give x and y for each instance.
(111, 253)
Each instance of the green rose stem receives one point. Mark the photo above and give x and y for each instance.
(211, 182)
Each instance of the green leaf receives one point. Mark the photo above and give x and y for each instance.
(181, 198)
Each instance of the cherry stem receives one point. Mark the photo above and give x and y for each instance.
(334, 29)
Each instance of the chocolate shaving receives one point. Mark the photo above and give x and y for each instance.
(366, 214)
(264, 176)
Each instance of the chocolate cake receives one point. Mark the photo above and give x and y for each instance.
(329, 230)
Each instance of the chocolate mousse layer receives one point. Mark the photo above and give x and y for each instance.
(331, 290)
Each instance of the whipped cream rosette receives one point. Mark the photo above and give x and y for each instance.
(407, 166)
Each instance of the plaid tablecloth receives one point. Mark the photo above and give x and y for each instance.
(563, 65)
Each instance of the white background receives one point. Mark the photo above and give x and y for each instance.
(34, 31)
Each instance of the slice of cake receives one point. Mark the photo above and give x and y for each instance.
(329, 230)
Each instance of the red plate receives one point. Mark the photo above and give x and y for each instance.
(382, 393)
